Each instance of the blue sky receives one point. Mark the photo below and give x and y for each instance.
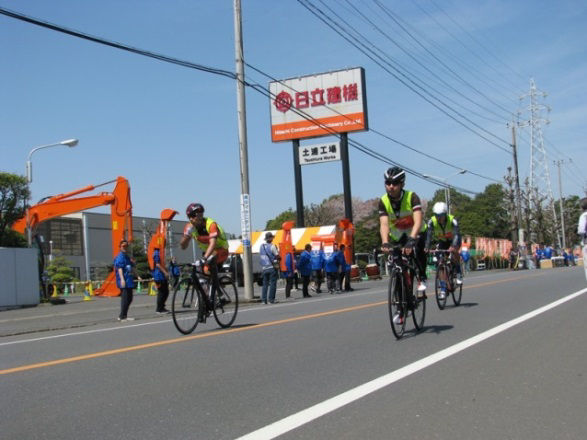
(173, 132)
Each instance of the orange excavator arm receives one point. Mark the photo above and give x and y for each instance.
(62, 204)
(158, 238)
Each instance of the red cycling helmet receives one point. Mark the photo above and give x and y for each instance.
(193, 209)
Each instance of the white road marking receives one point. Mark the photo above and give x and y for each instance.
(306, 416)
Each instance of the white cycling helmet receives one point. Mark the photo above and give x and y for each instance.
(439, 208)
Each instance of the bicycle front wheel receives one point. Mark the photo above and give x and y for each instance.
(185, 306)
(440, 301)
(396, 304)
(225, 302)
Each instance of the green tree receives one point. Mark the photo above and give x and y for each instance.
(572, 209)
(285, 216)
(137, 252)
(367, 233)
(14, 193)
(60, 271)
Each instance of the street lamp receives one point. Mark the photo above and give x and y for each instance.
(29, 165)
(447, 186)
(29, 174)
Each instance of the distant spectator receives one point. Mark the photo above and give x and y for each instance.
(123, 268)
(269, 262)
(288, 275)
(513, 258)
(160, 276)
(317, 268)
(332, 267)
(466, 257)
(548, 252)
(567, 256)
(305, 269)
(296, 271)
(539, 255)
(174, 271)
(345, 273)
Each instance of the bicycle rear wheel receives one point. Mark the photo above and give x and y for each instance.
(396, 304)
(226, 302)
(457, 293)
(440, 301)
(185, 306)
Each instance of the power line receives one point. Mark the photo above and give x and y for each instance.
(391, 15)
(472, 37)
(116, 45)
(320, 14)
(434, 75)
(256, 87)
(459, 41)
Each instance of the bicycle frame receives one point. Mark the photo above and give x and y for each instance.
(401, 298)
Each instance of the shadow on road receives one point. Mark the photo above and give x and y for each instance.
(437, 329)
(467, 305)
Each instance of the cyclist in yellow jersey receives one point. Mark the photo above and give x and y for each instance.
(444, 229)
(401, 221)
(210, 238)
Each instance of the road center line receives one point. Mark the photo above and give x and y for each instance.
(185, 339)
(305, 416)
(126, 327)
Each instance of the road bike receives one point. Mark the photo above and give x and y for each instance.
(194, 299)
(445, 269)
(401, 299)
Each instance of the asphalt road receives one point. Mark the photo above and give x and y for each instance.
(509, 363)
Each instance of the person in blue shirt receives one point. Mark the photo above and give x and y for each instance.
(317, 267)
(305, 268)
(547, 252)
(332, 267)
(174, 271)
(160, 276)
(345, 273)
(296, 271)
(123, 265)
(288, 274)
(539, 255)
(466, 257)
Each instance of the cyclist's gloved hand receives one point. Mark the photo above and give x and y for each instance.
(188, 229)
(385, 247)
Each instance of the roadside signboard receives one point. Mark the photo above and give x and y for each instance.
(319, 153)
(318, 105)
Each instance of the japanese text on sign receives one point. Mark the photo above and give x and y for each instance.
(319, 153)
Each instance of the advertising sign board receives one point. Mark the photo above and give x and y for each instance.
(318, 105)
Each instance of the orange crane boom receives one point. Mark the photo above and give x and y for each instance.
(62, 204)
(159, 237)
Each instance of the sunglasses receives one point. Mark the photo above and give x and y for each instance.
(392, 182)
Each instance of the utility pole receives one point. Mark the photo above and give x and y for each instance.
(244, 158)
(560, 188)
(517, 185)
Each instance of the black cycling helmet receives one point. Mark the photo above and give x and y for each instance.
(193, 209)
(395, 175)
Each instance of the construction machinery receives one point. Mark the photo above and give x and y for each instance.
(62, 204)
(159, 237)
